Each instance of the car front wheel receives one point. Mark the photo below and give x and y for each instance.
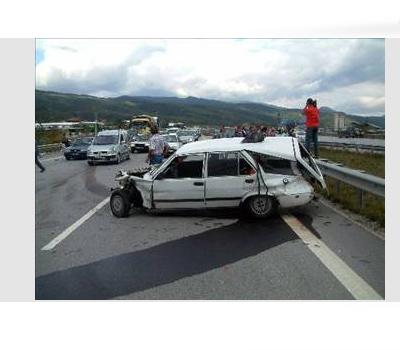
(261, 206)
(120, 203)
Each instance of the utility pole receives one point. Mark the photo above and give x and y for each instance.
(95, 125)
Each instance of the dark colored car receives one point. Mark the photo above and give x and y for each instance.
(351, 132)
(78, 149)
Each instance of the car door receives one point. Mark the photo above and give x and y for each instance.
(229, 177)
(309, 164)
(181, 184)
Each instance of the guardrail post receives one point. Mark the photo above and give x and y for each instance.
(360, 199)
(337, 187)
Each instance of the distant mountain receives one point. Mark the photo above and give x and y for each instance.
(55, 106)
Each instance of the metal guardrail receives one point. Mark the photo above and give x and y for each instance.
(356, 178)
(51, 147)
(352, 145)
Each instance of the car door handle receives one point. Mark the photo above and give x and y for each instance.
(249, 181)
(198, 183)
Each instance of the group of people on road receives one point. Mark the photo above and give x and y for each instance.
(257, 133)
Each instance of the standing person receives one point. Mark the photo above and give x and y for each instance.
(311, 113)
(222, 131)
(238, 131)
(244, 131)
(37, 161)
(157, 147)
(66, 141)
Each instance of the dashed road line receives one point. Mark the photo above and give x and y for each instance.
(359, 288)
(75, 225)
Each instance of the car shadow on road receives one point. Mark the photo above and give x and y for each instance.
(165, 263)
(225, 213)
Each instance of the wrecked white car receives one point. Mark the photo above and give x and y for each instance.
(219, 173)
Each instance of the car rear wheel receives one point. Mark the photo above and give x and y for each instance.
(261, 206)
(120, 203)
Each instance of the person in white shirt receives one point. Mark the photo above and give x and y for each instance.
(157, 147)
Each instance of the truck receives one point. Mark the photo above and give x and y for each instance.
(142, 124)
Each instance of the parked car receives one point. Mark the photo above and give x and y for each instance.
(78, 148)
(109, 146)
(140, 143)
(185, 136)
(221, 173)
(173, 142)
(173, 130)
(350, 132)
(196, 134)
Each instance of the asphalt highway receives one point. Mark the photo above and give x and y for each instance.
(84, 252)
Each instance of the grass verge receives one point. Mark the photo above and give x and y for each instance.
(374, 164)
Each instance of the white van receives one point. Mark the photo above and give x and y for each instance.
(109, 146)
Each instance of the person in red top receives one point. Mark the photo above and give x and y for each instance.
(312, 123)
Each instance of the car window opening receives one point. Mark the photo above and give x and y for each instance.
(222, 164)
(274, 165)
(185, 167)
(244, 167)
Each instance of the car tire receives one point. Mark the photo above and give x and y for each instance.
(67, 158)
(90, 163)
(120, 203)
(118, 160)
(260, 207)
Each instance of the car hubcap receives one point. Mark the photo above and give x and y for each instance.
(261, 205)
(117, 204)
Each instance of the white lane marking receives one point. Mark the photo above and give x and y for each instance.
(347, 277)
(75, 225)
(55, 158)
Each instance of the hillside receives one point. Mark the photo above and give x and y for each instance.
(54, 106)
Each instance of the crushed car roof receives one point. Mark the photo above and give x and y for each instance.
(276, 146)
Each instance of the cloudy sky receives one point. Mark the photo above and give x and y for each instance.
(344, 74)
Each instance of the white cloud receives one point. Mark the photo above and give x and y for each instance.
(346, 74)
